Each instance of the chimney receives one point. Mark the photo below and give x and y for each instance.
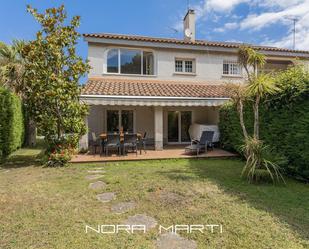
(189, 26)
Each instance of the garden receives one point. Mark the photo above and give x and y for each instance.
(259, 200)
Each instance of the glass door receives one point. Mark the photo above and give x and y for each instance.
(178, 126)
(173, 127)
(186, 120)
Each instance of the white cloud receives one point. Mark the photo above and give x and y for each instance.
(265, 19)
(222, 5)
(261, 14)
(227, 26)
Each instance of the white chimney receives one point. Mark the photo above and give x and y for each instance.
(189, 26)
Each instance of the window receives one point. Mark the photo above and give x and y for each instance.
(130, 61)
(178, 66)
(112, 121)
(112, 61)
(231, 68)
(120, 119)
(184, 66)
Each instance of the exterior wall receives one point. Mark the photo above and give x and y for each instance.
(200, 115)
(208, 65)
(144, 118)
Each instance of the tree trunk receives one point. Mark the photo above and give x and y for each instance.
(241, 119)
(30, 133)
(256, 118)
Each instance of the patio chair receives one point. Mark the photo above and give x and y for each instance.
(112, 142)
(130, 142)
(202, 144)
(142, 143)
(94, 142)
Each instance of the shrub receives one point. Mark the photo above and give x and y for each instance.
(11, 122)
(284, 122)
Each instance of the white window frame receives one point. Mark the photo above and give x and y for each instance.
(231, 64)
(183, 60)
(119, 62)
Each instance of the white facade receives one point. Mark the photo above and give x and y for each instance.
(208, 65)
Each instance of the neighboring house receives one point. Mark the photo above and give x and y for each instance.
(161, 86)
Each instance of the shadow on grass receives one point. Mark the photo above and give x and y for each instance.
(289, 203)
(25, 157)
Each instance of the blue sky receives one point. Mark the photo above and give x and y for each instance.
(256, 21)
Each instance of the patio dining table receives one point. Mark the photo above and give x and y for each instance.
(103, 137)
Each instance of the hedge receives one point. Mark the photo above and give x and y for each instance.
(11, 123)
(284, 123)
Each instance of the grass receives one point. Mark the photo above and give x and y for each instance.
(49, 207)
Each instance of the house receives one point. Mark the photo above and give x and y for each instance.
(160, 85)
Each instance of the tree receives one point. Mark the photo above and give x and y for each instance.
(12, 66)
(52, 72)
(12, 77)
(259, 86)
(238, 96)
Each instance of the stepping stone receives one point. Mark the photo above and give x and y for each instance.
(96, 171)
(122, 207)
(106, 197)
(174, 241)
(141, 219)
(171, 198)
(97, 185)
(93, 177)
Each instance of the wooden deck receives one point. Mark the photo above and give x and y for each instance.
(169, 152)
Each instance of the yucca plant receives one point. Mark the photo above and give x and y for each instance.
(258, 166)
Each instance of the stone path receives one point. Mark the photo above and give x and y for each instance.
(141, 219)
(122, 207)
(106, 197)
(164, 241)
(93, 177)
(174, 241)
(97, 185)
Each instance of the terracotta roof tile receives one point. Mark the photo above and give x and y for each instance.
(148, 87)
(196, 42)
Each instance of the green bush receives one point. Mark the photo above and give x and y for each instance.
(284, 122)
(11, 122)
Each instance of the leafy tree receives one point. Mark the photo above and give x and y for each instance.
(52, 72)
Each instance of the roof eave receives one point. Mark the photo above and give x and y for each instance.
(196, 47)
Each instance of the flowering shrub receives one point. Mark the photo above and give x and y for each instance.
(60, 152)
(59, 158)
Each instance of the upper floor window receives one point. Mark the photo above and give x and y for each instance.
(184, 66)
(231, 68)
(130, 61)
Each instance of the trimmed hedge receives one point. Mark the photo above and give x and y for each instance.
(11, 122)
(284, 123)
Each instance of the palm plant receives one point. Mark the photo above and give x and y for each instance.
(12, 76)
(261, 86)
(12, 66)
(257, 166)
(238, 96)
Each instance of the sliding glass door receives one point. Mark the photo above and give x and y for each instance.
(117, 119)
(178, 126)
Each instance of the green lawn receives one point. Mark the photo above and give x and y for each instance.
(49, 207)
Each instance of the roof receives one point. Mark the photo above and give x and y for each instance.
(183, 42)
(152, 88)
